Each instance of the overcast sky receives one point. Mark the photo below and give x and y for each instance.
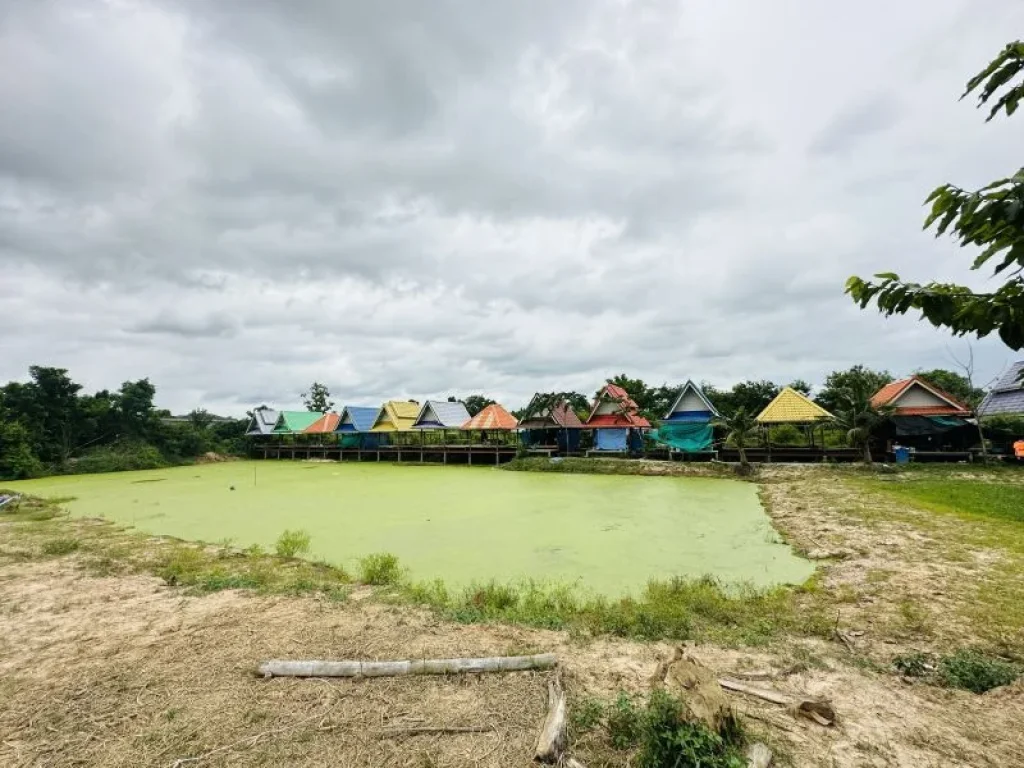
(413, 199)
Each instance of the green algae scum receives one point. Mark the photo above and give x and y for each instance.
(603, 533)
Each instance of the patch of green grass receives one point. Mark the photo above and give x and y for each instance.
(64, 545)
(678, 609)
(292, 543)
(971, 497)
(380, 568)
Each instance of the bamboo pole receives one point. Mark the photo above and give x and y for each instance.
(281, 668)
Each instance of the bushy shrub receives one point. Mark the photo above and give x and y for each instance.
(974, 671)
(120, 457)
(292, 543)
(17, 461)
(624, 722)
(380, 568)
(668, 741)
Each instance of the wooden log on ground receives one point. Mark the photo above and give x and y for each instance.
(553, 738)
(281, 668)
(816, 709)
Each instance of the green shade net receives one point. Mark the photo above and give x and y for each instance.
(350, 440)
(691, 438)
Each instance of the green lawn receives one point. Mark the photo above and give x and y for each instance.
(1004, 501)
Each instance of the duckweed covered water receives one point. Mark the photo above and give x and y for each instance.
(609, 534)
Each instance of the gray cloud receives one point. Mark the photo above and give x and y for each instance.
(235, 198)
(861, 121)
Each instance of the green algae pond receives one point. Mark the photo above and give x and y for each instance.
(604, 533)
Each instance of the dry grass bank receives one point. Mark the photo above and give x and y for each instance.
(100, 666)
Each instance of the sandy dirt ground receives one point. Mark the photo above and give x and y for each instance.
(125, 671)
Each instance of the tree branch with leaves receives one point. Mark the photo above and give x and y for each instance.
(990, 218)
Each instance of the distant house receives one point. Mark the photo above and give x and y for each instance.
(493, 417)
(1007, 396)
(356, 418)
(914, 396)
(294, 422)
(691, 406)
(441, 414)
(924, 418)
(550, 425)
(396, 416)
(262, 422)
(616, 420)
(686, 425)
(354, 425)
(792, 407)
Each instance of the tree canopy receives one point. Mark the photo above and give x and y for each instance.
(318, 398)
(990, 218)
(839, 384)
(47, 425)
(476, 403)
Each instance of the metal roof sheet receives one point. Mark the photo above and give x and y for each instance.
(396, 416)
(294, 421)
(326, 423)
(1011, 380)
(360, 416)
(1007, 396)
(492, 417)
(441, 414)
(262, 422)
(792, 407)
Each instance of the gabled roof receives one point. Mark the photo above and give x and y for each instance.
(560, 415)
(356, 418)
(492, 417)
(626, 411)
(441, 414)
(325, 424)
(262, 423)
(689, 387)
(395, 416)
(939, 402)
(290, 422)
(792, 407)
(1007, 396)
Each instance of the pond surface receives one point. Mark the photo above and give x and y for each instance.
(605, 533)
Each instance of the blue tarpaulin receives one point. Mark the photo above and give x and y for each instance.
(610, 439)
(690, 438)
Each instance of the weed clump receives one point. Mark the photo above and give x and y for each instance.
(967, 669)
(64, 545)
(974, 671)
(659, 732)
(380, 568)
(292, 543)
(624, 723)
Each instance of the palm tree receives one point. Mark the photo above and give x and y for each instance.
(738, 426)
(856, 416)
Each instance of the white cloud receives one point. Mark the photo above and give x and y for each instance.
(235, 198)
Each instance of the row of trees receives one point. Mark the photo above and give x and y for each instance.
(48, 425)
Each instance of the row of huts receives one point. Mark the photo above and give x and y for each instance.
(920, 410)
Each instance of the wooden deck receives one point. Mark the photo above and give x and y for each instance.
(423, 454)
